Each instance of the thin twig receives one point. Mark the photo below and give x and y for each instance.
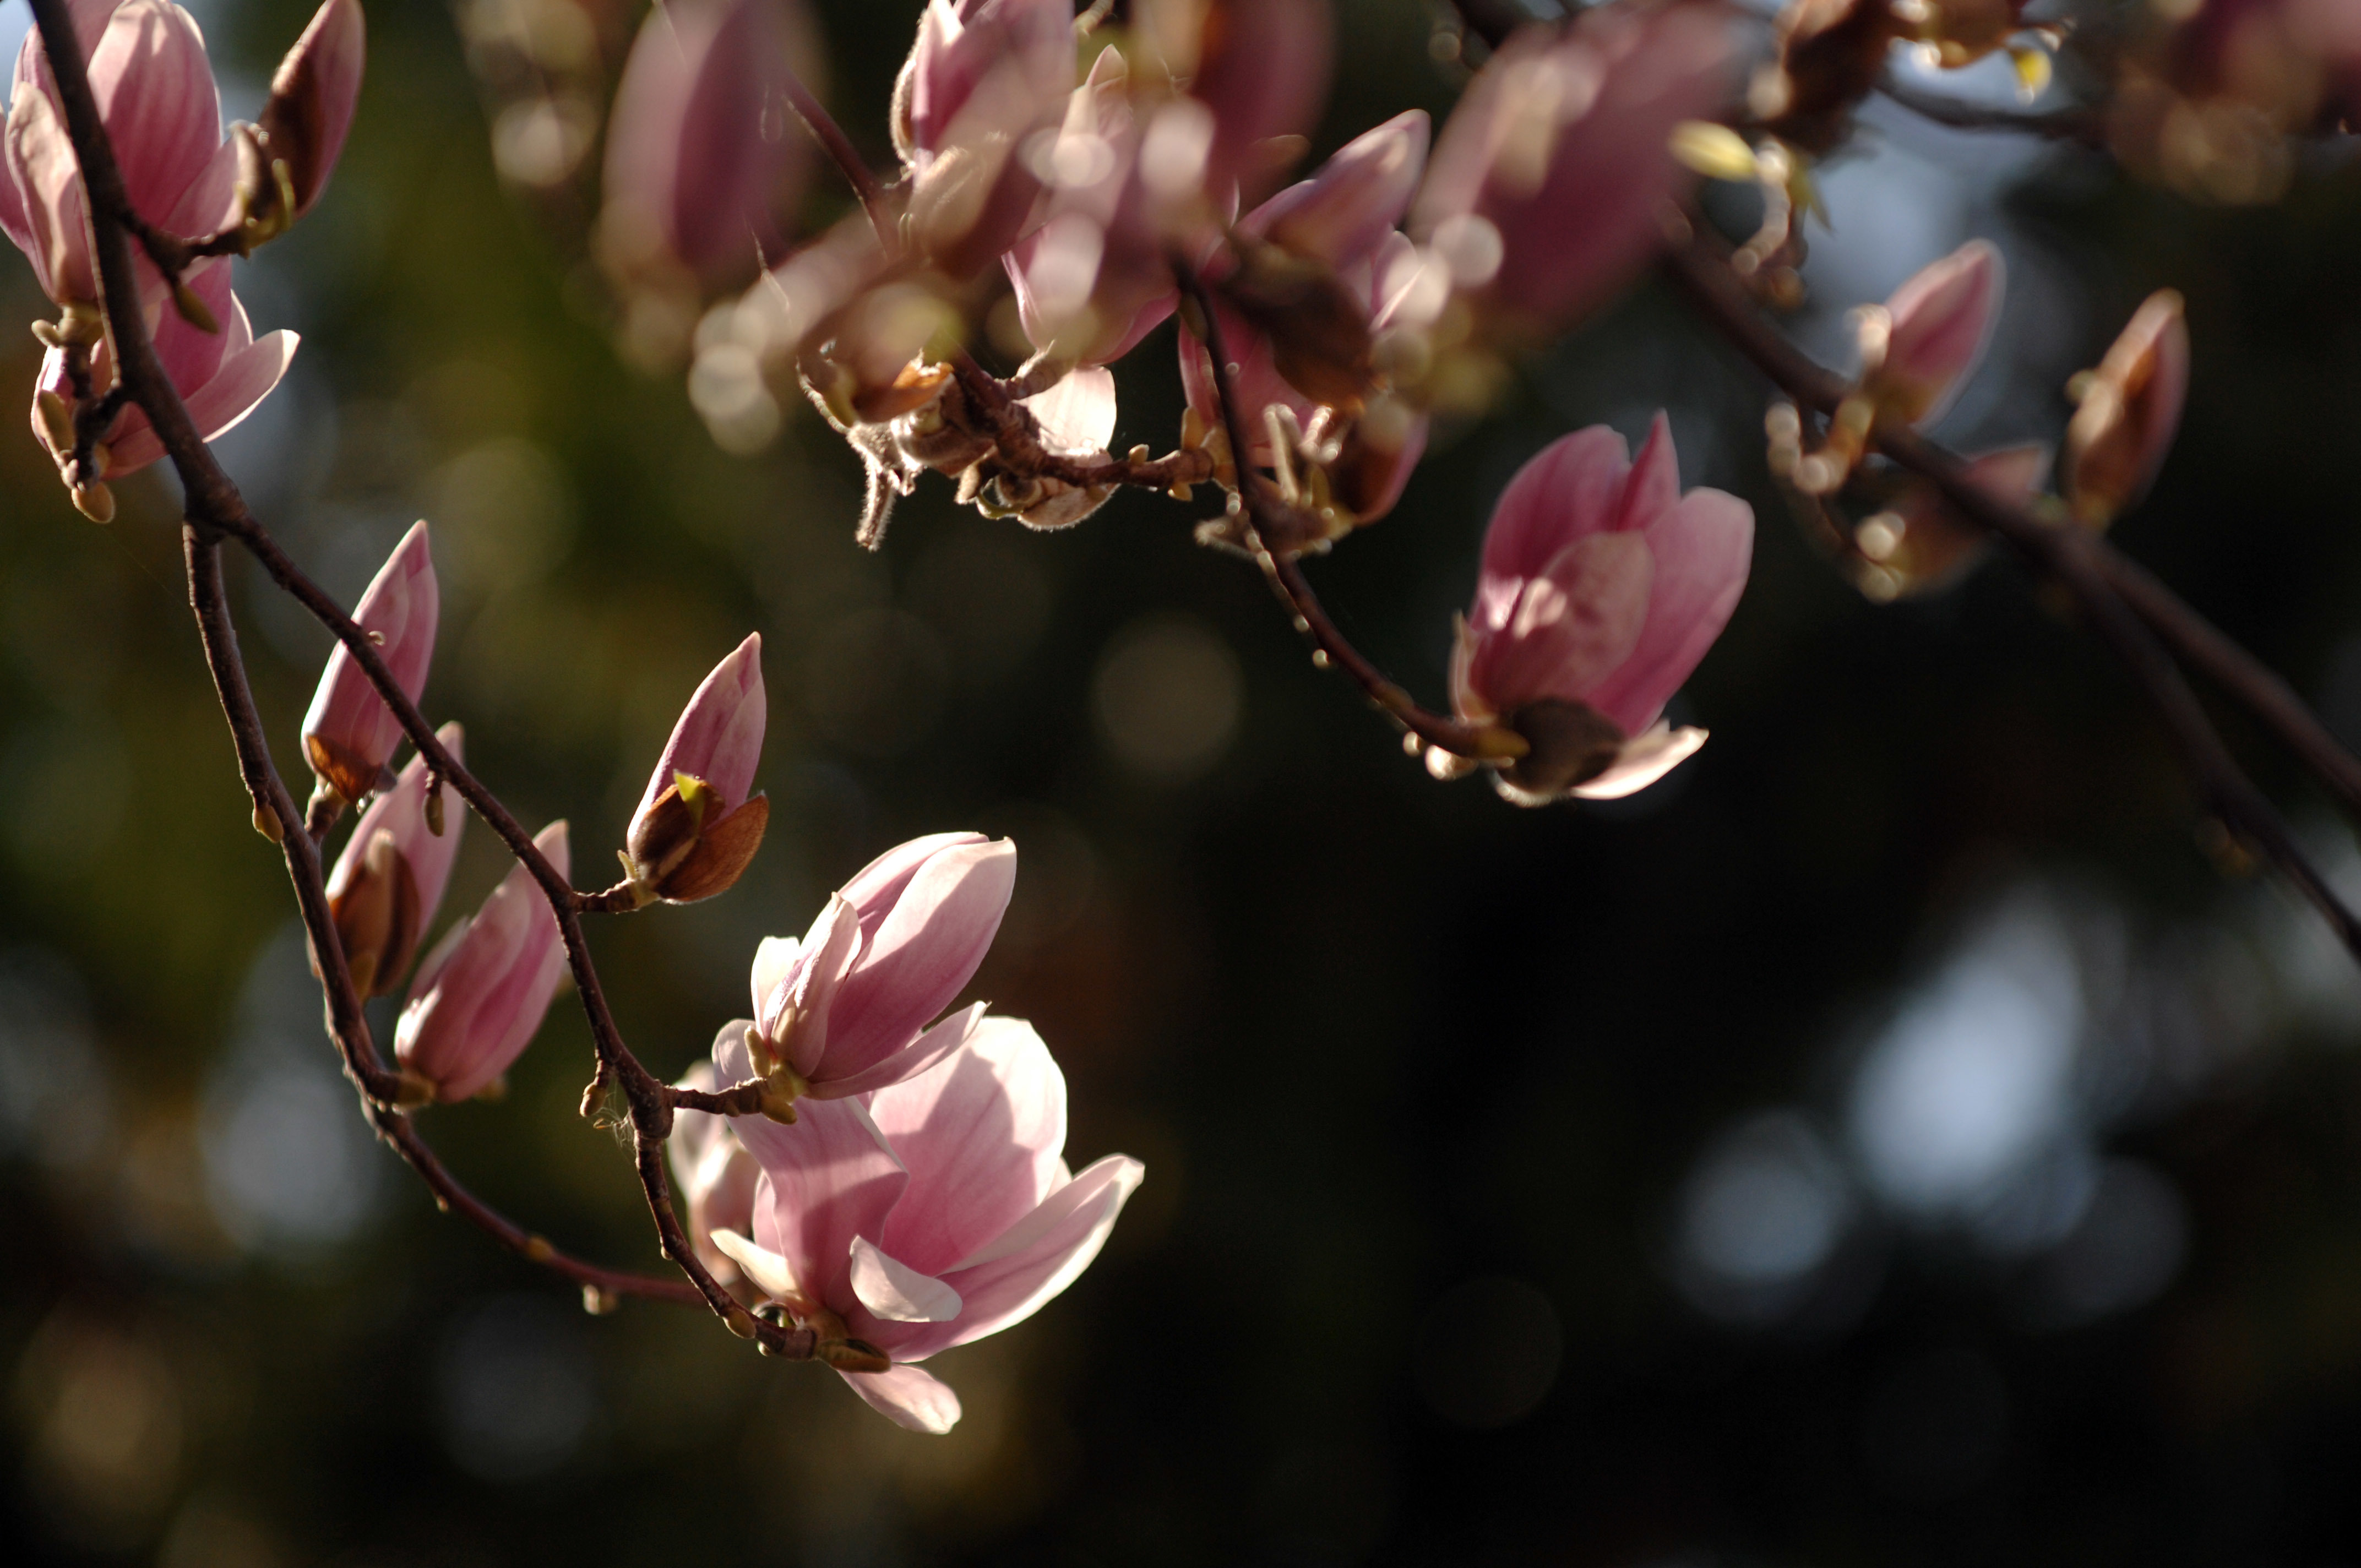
(2065, 554)
(1287, 577)
(215, 510)
(845, 156)
(2083, 126)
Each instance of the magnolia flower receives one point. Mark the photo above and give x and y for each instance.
(2130, 409)
(349, 732)
(1919, 346)
(1546, 182)
(389, 881)
(1602, 587)
(702, 154)
(847, 1009)
(695, 828)
(929, 1214)
(715, 1174)
(1297, 314)
(155, 91)
(480, 995)
(1093, 279)
(983, 77)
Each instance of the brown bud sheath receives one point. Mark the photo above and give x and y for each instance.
(376, 916)
(1572, 744)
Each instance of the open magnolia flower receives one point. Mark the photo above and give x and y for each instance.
(847, 1009)
(1602, 587)
(931, 1213)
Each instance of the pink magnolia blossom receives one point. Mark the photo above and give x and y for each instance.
(481, 995)
(715, 1174)
(1921, 344)
(1343, 218)
(1547, 182)
(928, 1214)
(696, 829)
(389, 881)
(155, 90)
(312, 96)
(1602, 587)
(703, 154)
(349, 732)
(984, 77)
(1260, 70)
(847, 1009)
(1093, 279)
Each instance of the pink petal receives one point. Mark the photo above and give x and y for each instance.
(911, 1396)
(920, 955)
(1570, 628)
(1077, 415)
(49, 181)
(919, 1056)
(980, 1136)
(1342, 214)
(155, 91)
(1011, 1279)
(1645, 758)
(719, 737)
(1942, 319)
(802, 1008)
(827, 1179)
(766, 1270)
(1567, 489)
(889, 1288)
(1703, 548)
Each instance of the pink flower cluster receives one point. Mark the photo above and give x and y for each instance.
(156, 95)
(908, 1193)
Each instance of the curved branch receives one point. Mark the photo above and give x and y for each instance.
(2069, 555)
(215, 510)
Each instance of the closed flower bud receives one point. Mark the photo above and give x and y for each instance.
(1602, 587)
(1546, 184)
(695, 828)
(927, 1214)
(1921, 344)
(481, 995)
(312, 99)
(2130, 411)
(349, 732)
(847, 1009)
(389, 881)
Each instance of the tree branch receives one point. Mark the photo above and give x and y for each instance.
(214, 509)
(2069, 555)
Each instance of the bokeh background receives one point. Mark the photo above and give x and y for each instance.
(1892, 1140)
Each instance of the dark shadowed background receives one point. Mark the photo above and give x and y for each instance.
(1892, 1140)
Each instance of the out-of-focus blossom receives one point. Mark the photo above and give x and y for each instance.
(312, 97)
(704, 155)
(1259, 69)
(154, 92)
(1093, 279)
(389, 881)
(983, 77)
(349, 732)
(696, 828)
(481, 995)
(2209, 97)
(1544, 191)
(2130, 411)
(1602, 587)
(1297, 312)
(845, 1010)
(714, 1172)
(1918, 544)
(1921, 344)
(928, 1214)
